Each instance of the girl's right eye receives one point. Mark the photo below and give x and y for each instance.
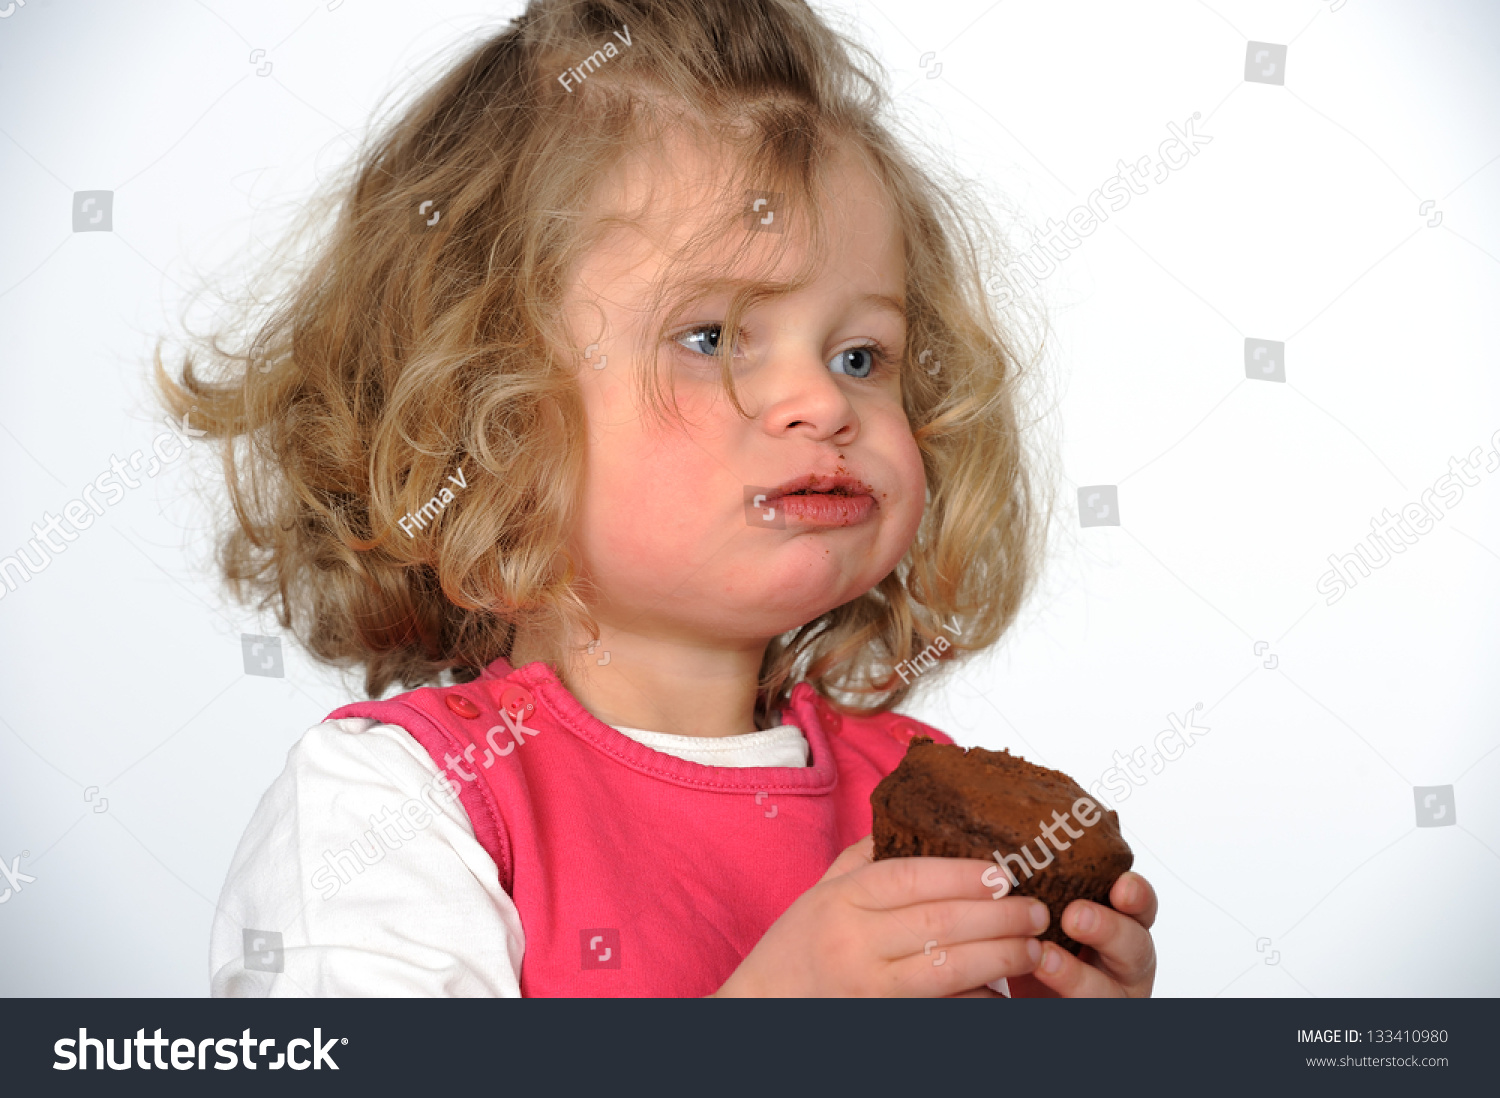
(704, 339)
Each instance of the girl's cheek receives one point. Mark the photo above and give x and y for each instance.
(644, 491)
(903, 452)
(906, 464)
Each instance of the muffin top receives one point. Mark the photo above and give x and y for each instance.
(981, 801)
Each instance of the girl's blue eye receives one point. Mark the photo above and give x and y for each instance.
(705, 339)
(855, 362)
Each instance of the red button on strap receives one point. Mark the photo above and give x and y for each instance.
(517, 701)
(461, 705)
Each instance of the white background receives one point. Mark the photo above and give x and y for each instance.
(1291, 826)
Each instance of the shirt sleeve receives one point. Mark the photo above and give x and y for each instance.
(357, 876)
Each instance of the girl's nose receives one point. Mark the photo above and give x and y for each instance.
(800, 393)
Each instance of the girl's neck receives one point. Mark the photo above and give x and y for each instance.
(641, 682)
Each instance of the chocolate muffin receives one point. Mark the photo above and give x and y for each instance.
(1045, 836)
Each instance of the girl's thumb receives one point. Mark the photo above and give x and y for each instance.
(860, 854)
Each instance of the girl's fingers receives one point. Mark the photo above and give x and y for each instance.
(1133, 895)
(1071, 978)
(966, 966)
(900, 882)
(1124, 948)
(976, 993)
(919, 928)
(968, 939)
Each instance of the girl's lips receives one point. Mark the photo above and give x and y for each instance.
(820, 509)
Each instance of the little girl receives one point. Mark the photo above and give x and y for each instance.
(644, 412)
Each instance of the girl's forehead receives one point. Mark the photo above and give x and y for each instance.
(683, 171)
(683, 200)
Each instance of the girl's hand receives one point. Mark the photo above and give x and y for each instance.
(911, 927)
(1118, 959)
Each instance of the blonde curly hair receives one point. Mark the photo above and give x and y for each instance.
(399, 352)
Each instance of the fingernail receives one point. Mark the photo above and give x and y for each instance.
(1053, 962)
(1039, 917)
(1128, 891)
(1086, 919)
(1033, 950)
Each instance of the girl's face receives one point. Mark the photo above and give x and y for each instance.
(665, 532)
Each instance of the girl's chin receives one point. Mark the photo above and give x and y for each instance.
(801, 599)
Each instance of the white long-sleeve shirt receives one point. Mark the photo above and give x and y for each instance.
(423, 915)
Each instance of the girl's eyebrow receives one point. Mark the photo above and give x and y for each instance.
(887, 303)
(698, 290)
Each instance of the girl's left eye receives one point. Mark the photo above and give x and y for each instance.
(704, 340)
(855, 362)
